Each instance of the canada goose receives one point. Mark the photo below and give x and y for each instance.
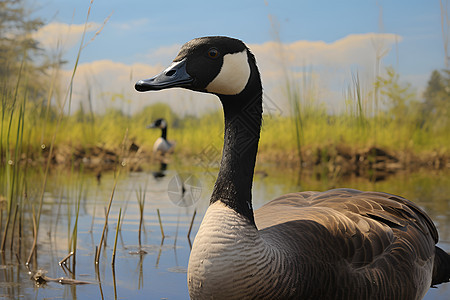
(161, 144)
(338, 244)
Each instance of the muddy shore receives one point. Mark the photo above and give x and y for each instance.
(374, 163)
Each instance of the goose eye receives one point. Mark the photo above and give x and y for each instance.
(213, 53)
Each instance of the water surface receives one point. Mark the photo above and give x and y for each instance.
(156, 268)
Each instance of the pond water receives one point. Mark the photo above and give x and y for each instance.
(156, 267)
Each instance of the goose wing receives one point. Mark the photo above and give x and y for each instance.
(356, 217)
(370, 239)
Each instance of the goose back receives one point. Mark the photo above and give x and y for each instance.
(374, 245)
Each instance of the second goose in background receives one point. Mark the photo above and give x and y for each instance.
(161, 145)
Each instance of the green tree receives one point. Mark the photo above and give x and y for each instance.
(17, 46)
(436, 105)
(399, 98)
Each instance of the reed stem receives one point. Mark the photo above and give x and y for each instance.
(160, 224)
(113, 260)
(192, 223)
(99, 249)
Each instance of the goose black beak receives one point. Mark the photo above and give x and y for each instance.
(174, 76)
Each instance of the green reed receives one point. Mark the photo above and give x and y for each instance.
(105, 226)
(113, 259)
(163, 236)
(73, 241)
(30, 130)
(140, 196)
(12, 174)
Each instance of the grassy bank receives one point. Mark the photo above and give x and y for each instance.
(26, 134)
(26, 130)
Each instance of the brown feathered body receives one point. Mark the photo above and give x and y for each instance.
(339, 244)
(370, 244)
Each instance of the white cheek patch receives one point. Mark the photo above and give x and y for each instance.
(233, 75)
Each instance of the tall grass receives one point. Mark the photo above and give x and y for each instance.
(140, 196)
(307, 129)
(29, 134)
(12, 174)
(73, 234)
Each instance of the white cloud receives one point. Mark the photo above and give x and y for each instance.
(111, 84)
(353, 50)
(328, 65)
(61, 36)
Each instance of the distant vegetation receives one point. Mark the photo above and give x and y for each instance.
(390, 115)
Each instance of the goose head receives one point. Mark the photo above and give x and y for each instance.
(218, 65)
(159, 123)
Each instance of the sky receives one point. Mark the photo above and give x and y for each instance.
(326, 42)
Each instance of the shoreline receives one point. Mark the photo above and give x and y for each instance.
(333, 160)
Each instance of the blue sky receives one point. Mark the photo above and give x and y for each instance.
(143, 36)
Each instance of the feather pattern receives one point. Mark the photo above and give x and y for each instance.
(300, 233)
(377, 245)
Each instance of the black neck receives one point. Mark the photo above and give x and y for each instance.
(242, 115)
(164, 133)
